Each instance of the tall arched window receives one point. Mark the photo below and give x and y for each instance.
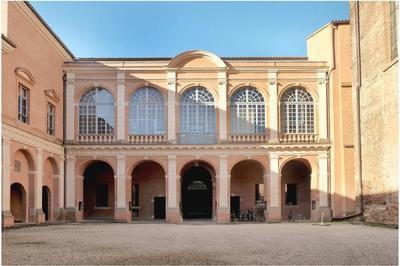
(146, 112)
(197, 116)
(96, 112)
(247, 111)
(297, 111)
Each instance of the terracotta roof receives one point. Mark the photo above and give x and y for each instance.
(8, 40)
(272, 58)
(49, 29)
(338, 22)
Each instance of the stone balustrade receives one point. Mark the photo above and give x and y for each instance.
(298, 138)
(147, 139)
(95, 139)
(247, 138)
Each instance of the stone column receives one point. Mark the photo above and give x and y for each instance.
(121, 212)
(39, 215)
(121, 107)
(61, 211)
(322, 107)
(70, 205)
(324, 187)
(7, 218)
(171, 106)
(223, 131)
(266, 194)
(273, 107)
(173, 212)
(70, 108)
(223, 211)
(274, 206)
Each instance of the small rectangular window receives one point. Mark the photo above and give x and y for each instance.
(50, 119)
(102, 195)
(23, 104)
(291, 194)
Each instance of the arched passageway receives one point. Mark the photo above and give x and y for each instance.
(296, 190)
(247, 185)
(18, 203)
(98, 191)
(148, 191)
(197, 192)
(46, 203)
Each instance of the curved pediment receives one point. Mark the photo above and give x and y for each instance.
(196, 59)
(25, 75)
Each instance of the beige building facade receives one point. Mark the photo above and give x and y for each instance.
(375, 79)
(196, 136)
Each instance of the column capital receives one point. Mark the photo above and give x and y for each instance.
(6, 141)
(273, 156)
(323, 156)
(121, 157)
(172, 157)
(70, 157)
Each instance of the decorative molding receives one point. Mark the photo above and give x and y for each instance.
(28, 139)
(24, 74)
(52, 95)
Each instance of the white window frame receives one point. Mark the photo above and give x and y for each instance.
(23, 96)
(297, 111)
(247, 111)
(149, 102)
(51, 119)
(93, 108)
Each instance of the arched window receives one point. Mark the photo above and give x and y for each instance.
(96, 112)
(247, 111)
(297, 111)
(197, 116)
(146, 112)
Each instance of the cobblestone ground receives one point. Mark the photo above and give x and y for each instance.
(285, 243)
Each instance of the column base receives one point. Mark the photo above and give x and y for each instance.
(7, 219)
(122, 215)
(316, 215)
(60, 214)
(173, 215)
(273, 215)
(223, 215)
(39, 216)
(72, 215)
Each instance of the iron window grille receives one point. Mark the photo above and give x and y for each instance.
(50, 119)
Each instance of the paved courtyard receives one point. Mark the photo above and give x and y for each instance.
(200, 243)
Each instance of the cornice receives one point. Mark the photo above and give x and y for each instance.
(26, 138)
(7, 46)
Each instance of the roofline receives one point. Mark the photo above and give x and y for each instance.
(240, 58)
(333, 23)
(49, 29)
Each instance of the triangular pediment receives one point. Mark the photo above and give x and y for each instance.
(24, 74)
(52, 95)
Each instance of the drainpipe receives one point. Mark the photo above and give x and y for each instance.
(358, 124)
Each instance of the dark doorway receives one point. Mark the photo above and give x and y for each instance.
(159, 207)
(235, 205)
(196, 193)
(17, 203)
(45, 202)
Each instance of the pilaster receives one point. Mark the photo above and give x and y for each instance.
(61, 190)
(70, 207)
(273, 106)
(223, 132)
(223, 211)
(324, 186)
(322, 107)
(274, 208)
(121, 107)
(172, 212)
(7, 218)
(121, 212)
(70, 108)
(171, 77)
(39, 215)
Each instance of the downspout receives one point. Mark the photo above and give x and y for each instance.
(358, 118)
(64, 126)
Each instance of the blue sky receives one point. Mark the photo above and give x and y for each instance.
(165, 29)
